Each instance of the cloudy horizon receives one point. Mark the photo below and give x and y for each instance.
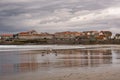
(59, 15)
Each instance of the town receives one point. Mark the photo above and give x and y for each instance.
(66, 37)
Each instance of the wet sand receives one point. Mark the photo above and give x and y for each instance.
(88, 64)
(100, 73)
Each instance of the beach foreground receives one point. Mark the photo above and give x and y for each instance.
(106, 73)
(91, 63)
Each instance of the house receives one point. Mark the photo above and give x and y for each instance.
(28, 35)
(117, 36)
(46, 36)
(29, 32)
(91, 35)
(31, 35)
(105, 35)
(87, 37)
(7, 37)
(67, 35)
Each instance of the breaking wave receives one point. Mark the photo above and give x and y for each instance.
(35, 47)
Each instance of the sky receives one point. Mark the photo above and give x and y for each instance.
(59, 15)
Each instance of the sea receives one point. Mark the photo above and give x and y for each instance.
(16, 60)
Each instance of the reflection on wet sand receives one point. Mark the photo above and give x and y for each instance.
(43, 60)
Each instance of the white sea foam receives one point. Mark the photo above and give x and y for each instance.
(35, 47)
(49, 47)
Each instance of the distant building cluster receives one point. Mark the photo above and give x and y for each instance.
(66, 37)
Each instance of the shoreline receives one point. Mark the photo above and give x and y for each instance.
(99, 73)
(105, 71)
(53, 47)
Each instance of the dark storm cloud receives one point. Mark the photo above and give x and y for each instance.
(56, 15)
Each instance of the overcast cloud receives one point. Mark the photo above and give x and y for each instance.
(59, 15)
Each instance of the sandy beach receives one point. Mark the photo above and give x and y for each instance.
(99, 73)
(70, 64)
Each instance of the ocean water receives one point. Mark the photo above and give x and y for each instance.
(43, 59)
